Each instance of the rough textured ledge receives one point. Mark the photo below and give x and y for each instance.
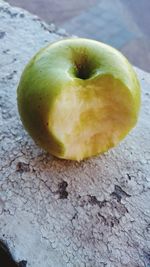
(57, 213)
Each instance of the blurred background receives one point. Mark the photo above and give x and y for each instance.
(124, 24)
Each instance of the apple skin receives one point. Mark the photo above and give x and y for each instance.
(73, 63)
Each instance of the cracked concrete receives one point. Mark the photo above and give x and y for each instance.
(61, 213)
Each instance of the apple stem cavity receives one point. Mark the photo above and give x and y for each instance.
(82, 71)
(84, 66)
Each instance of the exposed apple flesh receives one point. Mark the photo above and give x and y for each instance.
(94, 118)
(77, 98)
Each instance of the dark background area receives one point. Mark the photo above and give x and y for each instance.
(124, 24)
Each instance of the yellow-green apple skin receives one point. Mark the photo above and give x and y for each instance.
(78, 97)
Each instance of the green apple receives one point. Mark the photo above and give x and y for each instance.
(78, 97)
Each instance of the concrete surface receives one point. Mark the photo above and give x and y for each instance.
(57, 213)
(55, 11)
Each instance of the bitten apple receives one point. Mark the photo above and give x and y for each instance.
(78, 97)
